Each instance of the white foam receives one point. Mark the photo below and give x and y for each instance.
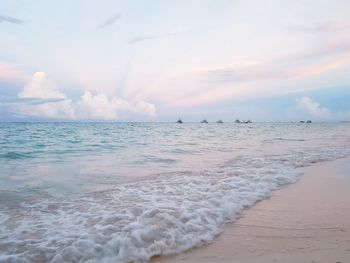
(169, 213)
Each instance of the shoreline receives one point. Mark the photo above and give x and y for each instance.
(307, 221)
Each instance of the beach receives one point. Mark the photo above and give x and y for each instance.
(155, 189)
(308, 221)
(174, 131)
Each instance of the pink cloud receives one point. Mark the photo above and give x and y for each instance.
(319, 68)
(11, 73)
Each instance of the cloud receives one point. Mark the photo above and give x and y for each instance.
(150, 37)
(40, 98)
(13, 74)
(241, 71)
(11, 20)
(110, 21)
(99, 106)
(315, 65)
(62, 109)
(308, 108)
(41, 88)
(255, 70)
(312, 108)
(319, 68)
(220, 83)
(29, 101)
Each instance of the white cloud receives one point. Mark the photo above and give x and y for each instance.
(101, 107)
(62, 109)
(41, 88)
(87, 107)
(312, 108)
(307, 108)
(145, 107)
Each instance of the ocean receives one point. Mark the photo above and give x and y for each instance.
(118, 192)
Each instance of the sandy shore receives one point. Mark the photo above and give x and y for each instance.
(308, 221)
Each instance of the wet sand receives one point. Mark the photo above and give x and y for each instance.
(308, 221)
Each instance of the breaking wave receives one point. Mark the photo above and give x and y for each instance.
(165, 214)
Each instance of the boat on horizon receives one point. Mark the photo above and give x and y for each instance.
(204, 121)
(179, 121)
(247, 121)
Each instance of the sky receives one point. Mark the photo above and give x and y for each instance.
(158, 60)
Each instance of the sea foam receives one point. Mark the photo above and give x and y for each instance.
(165, 214)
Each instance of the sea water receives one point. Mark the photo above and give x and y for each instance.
(117, 192)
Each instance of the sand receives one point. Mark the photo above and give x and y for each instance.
(308, 221)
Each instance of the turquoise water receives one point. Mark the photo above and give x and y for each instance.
(127, 191)
(67, 157)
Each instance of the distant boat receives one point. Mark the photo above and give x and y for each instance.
(245, 122)
(237, 121)
(309, 121)
(219, 121)
(179, 121)
(302, 121)
(204, 121)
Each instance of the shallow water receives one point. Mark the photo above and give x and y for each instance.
(95, 192)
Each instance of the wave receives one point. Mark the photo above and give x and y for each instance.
(146, 159)
(167, 214)
(14, 156)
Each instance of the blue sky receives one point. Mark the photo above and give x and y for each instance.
(158, 60)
